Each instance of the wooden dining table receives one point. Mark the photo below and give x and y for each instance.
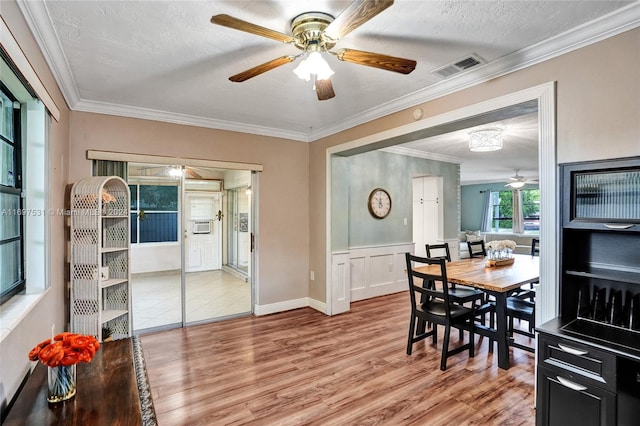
(497, 281)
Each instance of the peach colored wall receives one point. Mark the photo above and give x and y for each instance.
(283, 238)
(598, 117)
(51, 309)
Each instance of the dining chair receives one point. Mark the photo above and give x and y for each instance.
(462, 294)
(476, 248)
(527, 292)
(431, 303)
(523, 310)
(535, 247)
(438, 250)
(459, 294)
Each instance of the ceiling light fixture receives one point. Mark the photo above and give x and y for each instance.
(315, 64)
(516, 185)
(175, 171)
(485, 140)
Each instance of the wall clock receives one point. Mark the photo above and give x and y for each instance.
(379, 203)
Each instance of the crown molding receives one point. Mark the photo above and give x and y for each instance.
(400, 150)
(39, 21)
(614, 23)
(184, 119)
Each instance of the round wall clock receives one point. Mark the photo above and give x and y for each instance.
(379, 203)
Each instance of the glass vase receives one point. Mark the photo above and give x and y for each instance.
(62, 383)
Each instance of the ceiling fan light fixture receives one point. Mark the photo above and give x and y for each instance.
(485, 140)
(315, 64)
(175, 172)
(516, 185)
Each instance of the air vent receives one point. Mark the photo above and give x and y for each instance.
(459, 66)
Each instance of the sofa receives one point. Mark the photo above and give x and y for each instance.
(523, 241)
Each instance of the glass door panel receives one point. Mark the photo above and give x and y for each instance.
(212, 290)
(179, 227)
(156, 267)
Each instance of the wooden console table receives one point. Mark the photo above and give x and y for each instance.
(107, 393)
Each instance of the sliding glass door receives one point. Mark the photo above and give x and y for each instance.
(179, 245)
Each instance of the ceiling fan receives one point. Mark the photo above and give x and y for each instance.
(518, 181)
(315, 33)
(169, 171)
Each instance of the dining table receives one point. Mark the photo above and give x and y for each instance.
(497, 281)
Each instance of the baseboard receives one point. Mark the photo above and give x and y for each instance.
(317, 305)
(287, 305)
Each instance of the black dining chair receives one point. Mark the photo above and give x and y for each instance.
(522, 310)
(526, 292)
(535, 247)
(438, 251)
(461, 294)
(430, 303)
(476, 248)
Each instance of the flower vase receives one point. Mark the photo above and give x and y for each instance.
(62, 383)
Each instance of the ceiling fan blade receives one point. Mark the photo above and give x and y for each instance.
(238, 24)
(267, 66)
(358, 12)
(376, 60)
(324, 89)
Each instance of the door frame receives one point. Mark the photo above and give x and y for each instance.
(545, 97)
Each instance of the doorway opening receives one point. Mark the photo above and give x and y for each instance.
(338, 260)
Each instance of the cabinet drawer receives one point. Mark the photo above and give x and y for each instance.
(578, 361)
(563, 401)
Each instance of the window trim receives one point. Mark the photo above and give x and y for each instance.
(16, 190)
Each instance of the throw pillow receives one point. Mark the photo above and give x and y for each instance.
(473, 236)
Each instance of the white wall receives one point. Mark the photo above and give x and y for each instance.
(153, 257)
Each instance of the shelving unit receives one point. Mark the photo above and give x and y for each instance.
(100, 283)
(588, 360)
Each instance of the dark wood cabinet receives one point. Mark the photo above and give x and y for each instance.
(589, 357)
(601, 195)
(576, 383)
(571, 403)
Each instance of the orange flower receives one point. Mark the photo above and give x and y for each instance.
(65, 349)
(62, 336)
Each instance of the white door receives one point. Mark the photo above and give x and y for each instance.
(428, 212)
(202, 231)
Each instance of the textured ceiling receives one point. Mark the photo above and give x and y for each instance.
(164, 60)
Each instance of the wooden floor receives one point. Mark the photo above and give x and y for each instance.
(303, 367)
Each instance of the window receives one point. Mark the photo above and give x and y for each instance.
(24, 213)
(11, 225)
(502, 213)
(154, 213)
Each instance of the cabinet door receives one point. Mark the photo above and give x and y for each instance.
(428, 222)
(562, 402)
(603, 195)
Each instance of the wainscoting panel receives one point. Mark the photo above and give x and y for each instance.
(340, 283)
(358, 271)
(379, 270)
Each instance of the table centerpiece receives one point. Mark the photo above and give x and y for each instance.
(60, 354)
(500, 252)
